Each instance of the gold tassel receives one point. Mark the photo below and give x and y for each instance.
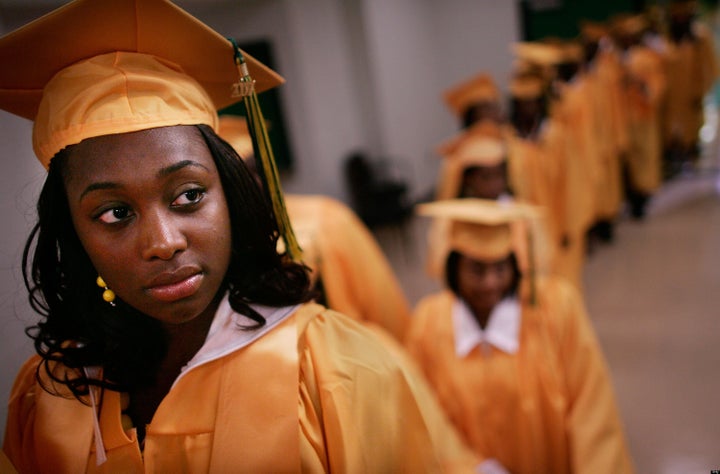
(264, 156)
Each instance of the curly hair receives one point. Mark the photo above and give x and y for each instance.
(78, 330)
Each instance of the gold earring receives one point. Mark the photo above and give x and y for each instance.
(108, 295)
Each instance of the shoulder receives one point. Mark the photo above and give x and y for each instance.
(561, 307)
(324, 331)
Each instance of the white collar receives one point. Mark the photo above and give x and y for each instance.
(226, 334)
(502, 330)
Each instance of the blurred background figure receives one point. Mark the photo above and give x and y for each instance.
(691, 70)
(349, 270)
(644, 89)
(512, 357)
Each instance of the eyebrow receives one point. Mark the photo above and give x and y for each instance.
(160, 174)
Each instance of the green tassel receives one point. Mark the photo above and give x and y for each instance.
(264, 155)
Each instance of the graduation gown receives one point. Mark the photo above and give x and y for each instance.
(643, 93)
(549, 407)
(604, 77)
(311, 391)
(356, 277)
(691, 70)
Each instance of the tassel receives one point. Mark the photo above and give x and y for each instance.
(245, 88)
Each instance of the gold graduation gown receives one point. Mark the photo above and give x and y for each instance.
(690, 67)
(549, 408)
(582, 161)
(644, 90)
(604, 78)
(357, 279)
(538, 173)
(316, 392)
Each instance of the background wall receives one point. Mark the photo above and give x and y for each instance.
(361, 75)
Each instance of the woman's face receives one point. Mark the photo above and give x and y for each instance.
(150, 211)
(484, 182)
(483, 284)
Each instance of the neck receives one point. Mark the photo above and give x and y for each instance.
(183, 342)
(482, 315)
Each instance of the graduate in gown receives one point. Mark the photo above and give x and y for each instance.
(644, 88)
(350, 272)
(475, 99)
(174, 337)
(691, 70)
(604, 76)
(513, 358)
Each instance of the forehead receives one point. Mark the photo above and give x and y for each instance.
(135, 153)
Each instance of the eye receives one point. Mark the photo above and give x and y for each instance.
(189, 197)
(116, 214)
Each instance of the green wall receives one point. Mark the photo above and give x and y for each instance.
(562, 21)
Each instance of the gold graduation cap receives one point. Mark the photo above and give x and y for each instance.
(628, 24)
(593, 31)
(479, 88)
(94, 67)
(479, 228)
(99, 67)
(544, 54)
(483, 230)
(482, 144)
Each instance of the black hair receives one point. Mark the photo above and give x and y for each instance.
(451, 273)
(79, 330)
(525, 125)
(481, 110)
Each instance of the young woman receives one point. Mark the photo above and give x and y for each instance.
(513, 359)
(174, 337)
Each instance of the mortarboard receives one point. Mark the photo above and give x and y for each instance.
(480, 88)
(68, 67)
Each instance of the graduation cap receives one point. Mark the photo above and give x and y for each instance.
(482, 144)
(477, 89)
(485, 230)
(100, 67)
(93, 68)
(543, 54)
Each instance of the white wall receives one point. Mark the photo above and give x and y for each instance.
(361, 74)
(20, 182)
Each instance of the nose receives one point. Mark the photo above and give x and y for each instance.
(162, 236)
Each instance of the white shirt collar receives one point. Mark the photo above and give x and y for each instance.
(502, 330)
(226, 334)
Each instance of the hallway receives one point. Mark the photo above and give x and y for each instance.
(653, 296)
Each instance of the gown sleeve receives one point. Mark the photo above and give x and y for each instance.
(21, 414)
(365, 407)
(597, 442)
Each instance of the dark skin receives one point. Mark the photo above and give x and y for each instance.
(150, 211)
(484, 182)
(482, 284)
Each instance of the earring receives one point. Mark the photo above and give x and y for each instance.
(108, 295)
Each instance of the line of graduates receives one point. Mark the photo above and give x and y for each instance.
(507, 345)
(593, 123)
(499, 372)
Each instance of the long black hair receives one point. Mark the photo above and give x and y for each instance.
(79, 330)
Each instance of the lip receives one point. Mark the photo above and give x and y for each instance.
(175, 285)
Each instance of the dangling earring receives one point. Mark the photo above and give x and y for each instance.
(108, 295)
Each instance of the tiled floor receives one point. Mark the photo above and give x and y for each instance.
(654, 298)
